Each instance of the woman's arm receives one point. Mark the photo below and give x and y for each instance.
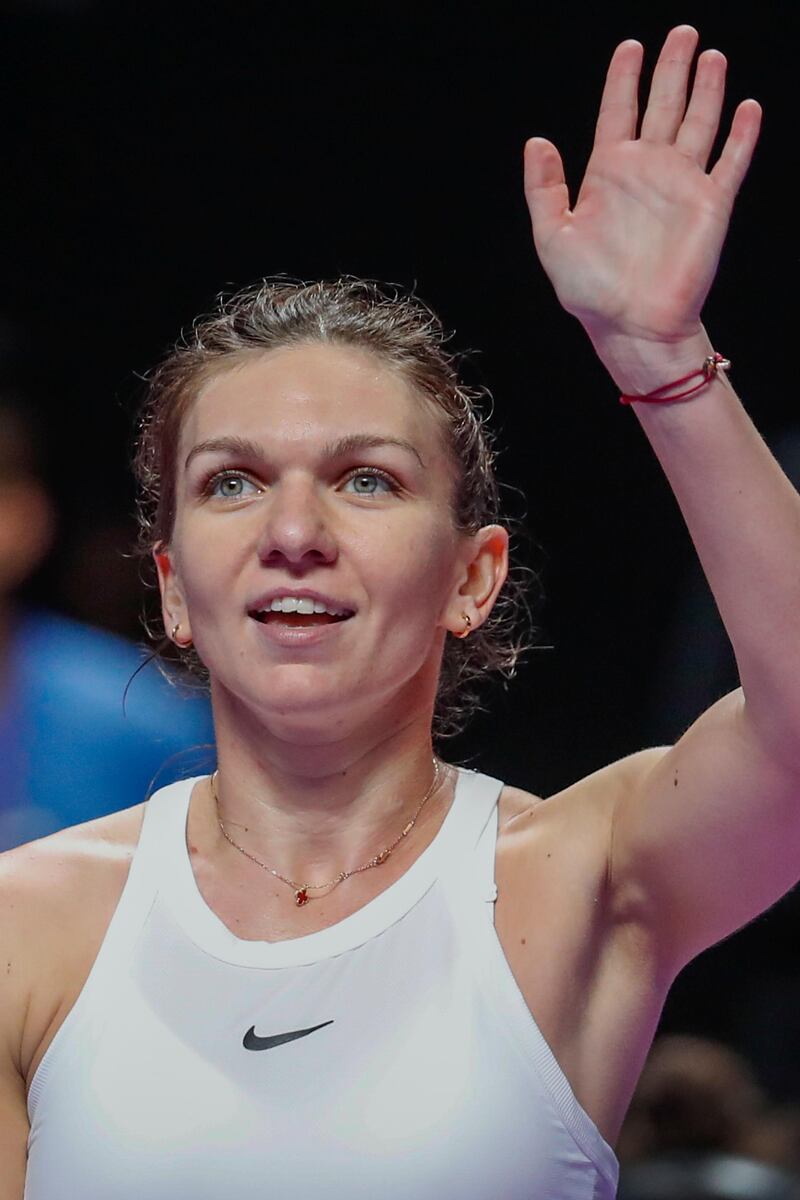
(709, 834)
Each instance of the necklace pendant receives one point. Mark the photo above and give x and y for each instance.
(301, 897)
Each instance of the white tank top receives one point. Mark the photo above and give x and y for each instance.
(389, 1055)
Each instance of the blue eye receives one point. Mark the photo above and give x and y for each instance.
(231, 485)
(228, 485)
(367, 477)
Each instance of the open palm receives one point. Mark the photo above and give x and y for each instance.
(639, 250)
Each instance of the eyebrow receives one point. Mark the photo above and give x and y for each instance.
(245, 448)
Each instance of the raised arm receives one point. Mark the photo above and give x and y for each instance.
(707, 835)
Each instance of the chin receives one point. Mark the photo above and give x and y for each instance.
(302, 699)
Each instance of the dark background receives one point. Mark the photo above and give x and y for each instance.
(155, 154)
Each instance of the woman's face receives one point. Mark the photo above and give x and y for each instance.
(316, 469)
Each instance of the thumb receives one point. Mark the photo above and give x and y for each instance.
(545, 187)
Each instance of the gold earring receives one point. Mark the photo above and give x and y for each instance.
(174, 637)
(466, 631)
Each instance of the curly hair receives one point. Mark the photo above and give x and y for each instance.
(405, 334)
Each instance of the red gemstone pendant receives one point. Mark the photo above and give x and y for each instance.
(301, 897)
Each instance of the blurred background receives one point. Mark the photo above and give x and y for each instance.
(155, 154)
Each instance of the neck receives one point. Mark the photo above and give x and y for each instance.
(312, 809)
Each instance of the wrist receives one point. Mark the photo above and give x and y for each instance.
(640, 366)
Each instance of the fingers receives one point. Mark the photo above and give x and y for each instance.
(619, 105)
(545, 186)
(667, 101)
(699, 127)
(667, 118)
(737, 152)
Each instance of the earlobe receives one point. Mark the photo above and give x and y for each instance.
(182, 644)
(465, 632)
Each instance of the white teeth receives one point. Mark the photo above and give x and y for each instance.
(289, 604)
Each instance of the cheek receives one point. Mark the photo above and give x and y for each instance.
(414, 571)
(205, 566)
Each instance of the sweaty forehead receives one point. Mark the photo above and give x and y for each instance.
(301, 396)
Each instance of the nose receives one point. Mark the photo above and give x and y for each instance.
(296, 528)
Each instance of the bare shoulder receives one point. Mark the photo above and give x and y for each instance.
(582, 812)
(603, 788)
(514, 803)
(52, 892)
(53, 867)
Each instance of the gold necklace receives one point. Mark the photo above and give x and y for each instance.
(301, 895)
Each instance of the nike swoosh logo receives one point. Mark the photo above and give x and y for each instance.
(253, 1042)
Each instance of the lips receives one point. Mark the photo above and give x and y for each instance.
(295, 632)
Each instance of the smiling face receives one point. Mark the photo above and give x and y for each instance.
(316, 468)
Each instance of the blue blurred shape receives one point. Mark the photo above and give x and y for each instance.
(68, 752)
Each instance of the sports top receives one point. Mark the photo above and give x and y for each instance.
(391, 1054)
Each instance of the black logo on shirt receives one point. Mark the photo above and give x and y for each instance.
(253, 1042)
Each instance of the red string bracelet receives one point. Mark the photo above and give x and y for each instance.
(711, 365)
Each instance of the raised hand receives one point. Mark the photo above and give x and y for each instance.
(635, 257)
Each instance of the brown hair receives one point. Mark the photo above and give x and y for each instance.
(403, 332)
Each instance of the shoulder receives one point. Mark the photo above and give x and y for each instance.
(582, 812)
(51, 891)
(514, 803)
(50, 869)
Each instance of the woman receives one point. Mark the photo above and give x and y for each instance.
(340, 962)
